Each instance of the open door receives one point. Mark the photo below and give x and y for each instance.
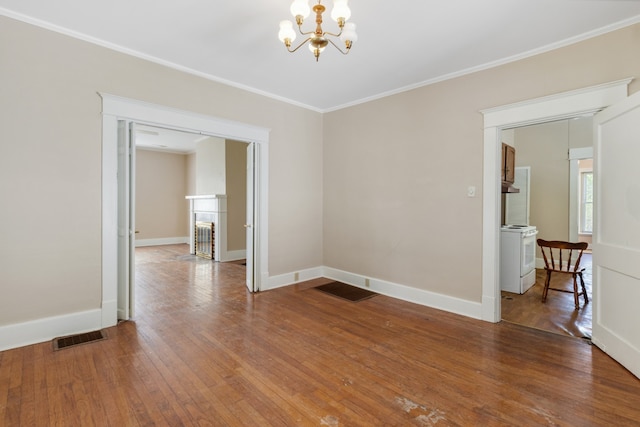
(616, 234)
(250, 223)
(126, 219)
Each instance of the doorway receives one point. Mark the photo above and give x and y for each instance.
(556, 107)
(171, 165)
(543, 151)
(117, 109)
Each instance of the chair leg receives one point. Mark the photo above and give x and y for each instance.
(584, 289)
(575, 292)
(546, 286)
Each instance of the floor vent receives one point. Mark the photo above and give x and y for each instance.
(73, 340)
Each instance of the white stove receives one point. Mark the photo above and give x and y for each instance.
(527, 230)
(517, 257)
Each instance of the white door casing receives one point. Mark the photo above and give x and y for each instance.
(131, 289)
(616, 234)
(250, 218)
(126, 219)
(555, 107)
(116, 108)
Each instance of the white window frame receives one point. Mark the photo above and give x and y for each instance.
(583, 203)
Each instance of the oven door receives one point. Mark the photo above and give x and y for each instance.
(528, 253)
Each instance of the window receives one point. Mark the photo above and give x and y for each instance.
(586, 202)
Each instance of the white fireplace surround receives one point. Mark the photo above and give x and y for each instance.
(210, 208)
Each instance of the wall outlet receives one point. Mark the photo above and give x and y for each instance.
(471, 191)
(296, 276)
(366, 283)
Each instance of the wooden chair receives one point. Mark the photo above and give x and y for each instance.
(553, 253)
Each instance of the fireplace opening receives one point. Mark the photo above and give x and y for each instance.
(204, 239)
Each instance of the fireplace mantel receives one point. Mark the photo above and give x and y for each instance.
(209, 208)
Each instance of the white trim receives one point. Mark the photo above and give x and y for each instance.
(394, 290)
(408, 293)
(116, 107)
(575, 154)
(581, 153)
(563, 105)
(234, 255)
(41, 330)
(162, 241)
(540, 110)
(288, 279)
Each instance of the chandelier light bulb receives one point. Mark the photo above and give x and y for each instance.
(349, 33)
(286, 32)
(300, 8)
(313, 48)
(340, 10)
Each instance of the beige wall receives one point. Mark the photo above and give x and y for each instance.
(397, 169)
(191, 174)
(377, 189)
(236, 171)
(50, 164)
(210, 167)
(581, 132)
(545, 149)
(161, 209)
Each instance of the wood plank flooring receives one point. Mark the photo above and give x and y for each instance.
(558, 313)
(202, 351)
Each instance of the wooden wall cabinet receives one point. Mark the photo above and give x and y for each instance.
(508, 168)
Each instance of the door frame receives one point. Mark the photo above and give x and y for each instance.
(116, 107)
(561, 106)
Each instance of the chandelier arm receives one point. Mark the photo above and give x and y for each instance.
(305, 33)
(327, 33)
(337, 47)
(300, 45)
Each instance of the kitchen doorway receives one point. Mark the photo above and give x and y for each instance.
(544, 150)
(555, 107)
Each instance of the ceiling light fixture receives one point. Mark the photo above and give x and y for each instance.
(319, 39)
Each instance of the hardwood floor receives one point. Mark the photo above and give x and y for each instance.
(203, 351)
(558, 313)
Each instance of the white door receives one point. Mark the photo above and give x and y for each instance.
(250, 222)
(616, 234)
(126, 218)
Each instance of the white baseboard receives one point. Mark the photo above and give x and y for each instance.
(407, 293)
(162, 241)
(41, 330)
(395, 290)
(290, 278)
(233, 255)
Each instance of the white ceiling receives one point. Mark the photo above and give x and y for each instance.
(402, 43)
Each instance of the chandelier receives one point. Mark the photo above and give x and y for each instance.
(319, 39)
